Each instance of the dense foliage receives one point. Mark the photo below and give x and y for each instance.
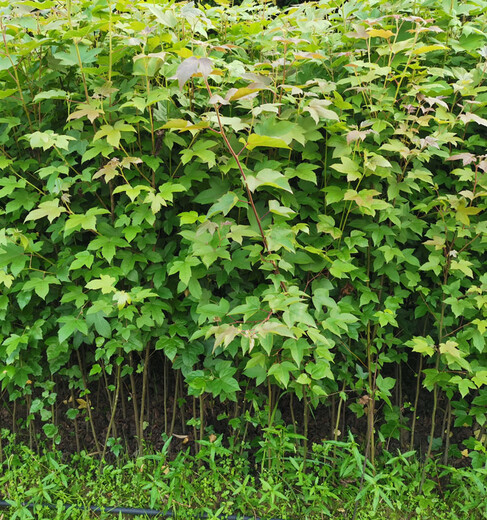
(245, 205)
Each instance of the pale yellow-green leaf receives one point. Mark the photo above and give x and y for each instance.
(105, 283)
(6, 279)
(463, 266)
(380, 33)
(49, 209)
(255, 140)
(243, 92)
(428, 48)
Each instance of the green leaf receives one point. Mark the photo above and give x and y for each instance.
(428, 48)
(6, 62)
(452, 354)
(463, 213)
(48, 139)
(463, 266)
(268, 177)
(102, 326)
(13, 256)
(340, 268)
(71, 325)
(40, 285)
(273, 327)
(49, 209)
(281, 236)
(303, 171)
(423, 345)
(82, 259)
(281, 371)
(255, 140)
(106, 283)
(320, 370)
(224, 204)
(84, 221)
(6, 279)
(283, 211)
(108, 245)
(317, 110)
(238, 231)
(70, 57)
(50, 94)
(113, 134)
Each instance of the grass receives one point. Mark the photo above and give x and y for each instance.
(224, 480)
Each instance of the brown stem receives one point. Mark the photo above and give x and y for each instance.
(14, 416)
(291, 409)
(416, 400)
(333, 416)
(175, 403)
(202, 418)
(134, 402)
(112, 417)
(195, 435)
(88, 404)
(143, 396)
(166, 373)
(183, 401)
(432, 429)
(448, 430)
(305, 427)
(244, 177)
(76, 428)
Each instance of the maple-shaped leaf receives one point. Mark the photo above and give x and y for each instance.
(109, 171)
(224, 334)
(132, 191)
(122, 298)
(463, 266)
(156, 201)
(450, 348)
(105, 283)
(268, 177)
(238, 231)
(216, 99)
(49, 209)
(317, 110)
(255, 140)
(40, 285)
(50, 94)
(463, 212)
(437, 241)
(242, 93)
(105, 90)
(13, 256)
(6, 279)
(89, 111)
(113, 133)
(362, 198)
(470, 116)
(466, 158)
(48, 139)
(357, 135)
(423, 345)
(273, 327)
(193, 65)
(128, 161)
(452, 354)
(360, 33)
(380, 33)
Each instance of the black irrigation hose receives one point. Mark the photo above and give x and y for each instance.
(129, 511)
